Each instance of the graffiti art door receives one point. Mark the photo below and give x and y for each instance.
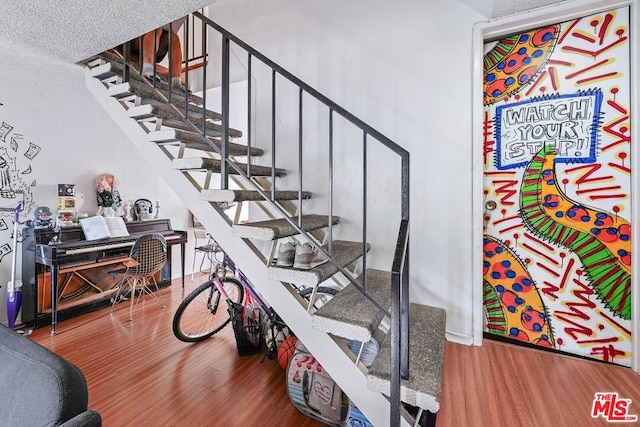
(557, 187)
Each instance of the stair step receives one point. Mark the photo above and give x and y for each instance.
(147, 94)
(350, 314)
(278, 228)
(172, 118)
(104, 71)
(196, 141)
(426, 357)
(218, 196)
(109, 55)
(113, 67)
(344, 253)
(156, 108)
(195, 124)
(213, 165)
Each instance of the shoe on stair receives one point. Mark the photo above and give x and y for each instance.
(286, 254)
(307, 257)
(153, 79)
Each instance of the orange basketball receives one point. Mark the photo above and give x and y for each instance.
(286, 350)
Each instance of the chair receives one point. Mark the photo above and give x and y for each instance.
(148, 255)
(208, 249)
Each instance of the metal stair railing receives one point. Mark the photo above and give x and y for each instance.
(399, 310)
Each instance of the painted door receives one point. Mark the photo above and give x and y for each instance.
(557, 187)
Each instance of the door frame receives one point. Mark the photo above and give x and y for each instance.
(490, 30)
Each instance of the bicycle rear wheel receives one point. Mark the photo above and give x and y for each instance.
(205, 311)
(323, 295)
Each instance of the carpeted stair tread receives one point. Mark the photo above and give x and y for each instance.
(152, 107)
(344, 253)
(426, 357)
(213, 165)
(147, 94)
(215, 195)
(196, 141)
(195, 125)
(109, 55)
(278, 228)
(113, 68)
(350, 314)
(172, 118)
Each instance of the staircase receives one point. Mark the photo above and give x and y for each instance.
(190, 145)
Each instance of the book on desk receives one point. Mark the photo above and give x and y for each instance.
(100, 227)
(66, 263)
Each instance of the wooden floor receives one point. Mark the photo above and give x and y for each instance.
(139, 374)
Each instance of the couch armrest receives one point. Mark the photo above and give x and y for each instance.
(87, 418)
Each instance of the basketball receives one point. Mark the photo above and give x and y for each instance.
(286, 350)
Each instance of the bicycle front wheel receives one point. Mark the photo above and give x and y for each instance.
(205, 311)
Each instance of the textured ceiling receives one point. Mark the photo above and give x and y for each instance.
(44, 39)
(510, 7)
(41, 40)
(500, 8)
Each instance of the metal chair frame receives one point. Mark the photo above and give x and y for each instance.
(209, 249)
(147, 257)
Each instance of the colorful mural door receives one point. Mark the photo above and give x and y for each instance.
(557, 187)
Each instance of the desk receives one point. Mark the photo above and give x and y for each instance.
(77, 270)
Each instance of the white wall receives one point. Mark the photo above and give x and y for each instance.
(78, 141)
(406, 69)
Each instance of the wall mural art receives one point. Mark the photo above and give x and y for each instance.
(16, 156)
(557, 187)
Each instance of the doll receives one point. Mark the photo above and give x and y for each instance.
(107, 194)
(42, 217)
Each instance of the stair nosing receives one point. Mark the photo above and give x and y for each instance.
(350, 314)
(314, 276)
(206, 163)
(217, 195)
(168, 136)
(426, 357)
(278, 228)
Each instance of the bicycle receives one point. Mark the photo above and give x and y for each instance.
(205, 310)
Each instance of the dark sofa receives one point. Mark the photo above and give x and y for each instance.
(40, 388)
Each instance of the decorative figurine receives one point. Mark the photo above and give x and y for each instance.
(42, 217)
(107, 194)
(128, 216)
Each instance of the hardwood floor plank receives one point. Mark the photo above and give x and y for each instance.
(139, 374)
(504, 384)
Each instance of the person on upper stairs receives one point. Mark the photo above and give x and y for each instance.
(175, 56)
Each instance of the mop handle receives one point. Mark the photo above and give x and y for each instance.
(15, 243)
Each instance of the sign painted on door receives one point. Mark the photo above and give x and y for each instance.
(557, 187)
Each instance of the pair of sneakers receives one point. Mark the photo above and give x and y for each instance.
(303, 256)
